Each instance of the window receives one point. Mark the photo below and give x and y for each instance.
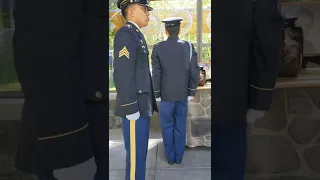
(192, 16)
(308, 16)
(8, 79)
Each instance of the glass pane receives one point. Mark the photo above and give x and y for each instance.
(206, 23)
(206, 54)
(308, 19)
(6, 18)
(155, 32)
(8, 79)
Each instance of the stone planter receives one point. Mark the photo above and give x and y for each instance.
(199, 118)
(198, 122)
(285, 143)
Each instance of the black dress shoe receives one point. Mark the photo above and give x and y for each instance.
(178, 162)
(171, 162)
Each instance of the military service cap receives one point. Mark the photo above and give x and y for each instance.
(172, 21)
(121, 4)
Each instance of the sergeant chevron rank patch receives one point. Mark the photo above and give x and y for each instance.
(124, 52)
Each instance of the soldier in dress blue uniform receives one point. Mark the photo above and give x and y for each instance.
(247, 47)
(135, 100)
(63, 76)
(175, 74)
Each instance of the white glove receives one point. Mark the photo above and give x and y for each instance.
(158, 99)
(134, 116)
(190, 97)
(253, 115)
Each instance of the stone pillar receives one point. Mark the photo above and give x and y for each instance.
(199, 119)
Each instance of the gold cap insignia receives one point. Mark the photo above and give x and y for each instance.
(124, 52)
(123, 2)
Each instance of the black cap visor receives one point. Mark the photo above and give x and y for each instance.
(143, 3)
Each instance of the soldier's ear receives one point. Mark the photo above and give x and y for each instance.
(130, 10)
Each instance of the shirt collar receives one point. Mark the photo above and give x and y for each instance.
(173, 37)
(135, 25)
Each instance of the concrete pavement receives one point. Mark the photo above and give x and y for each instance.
(196, 163)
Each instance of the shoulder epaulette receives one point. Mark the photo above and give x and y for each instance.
(128, 26)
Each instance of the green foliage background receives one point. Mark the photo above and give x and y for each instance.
(171, 5)
(8, 79)
(151, 40)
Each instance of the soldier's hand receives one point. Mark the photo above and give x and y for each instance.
(134, 116)
(158, 99)
(190, 97)
(253, 115)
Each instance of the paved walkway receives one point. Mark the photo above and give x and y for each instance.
(196, 163)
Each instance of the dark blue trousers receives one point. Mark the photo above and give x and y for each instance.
(173, 119)
(136, 165)
(228, 151)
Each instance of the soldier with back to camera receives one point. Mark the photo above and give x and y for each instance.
(175, 75)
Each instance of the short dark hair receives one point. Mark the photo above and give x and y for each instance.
(124, 12)
(173, 30)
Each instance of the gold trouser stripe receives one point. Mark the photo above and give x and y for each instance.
(64, 134)
(132, 150)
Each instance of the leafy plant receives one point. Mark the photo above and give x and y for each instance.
(155, 38)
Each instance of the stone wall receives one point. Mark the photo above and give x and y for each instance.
(199, 119)
(198, 124)
(285, 143)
